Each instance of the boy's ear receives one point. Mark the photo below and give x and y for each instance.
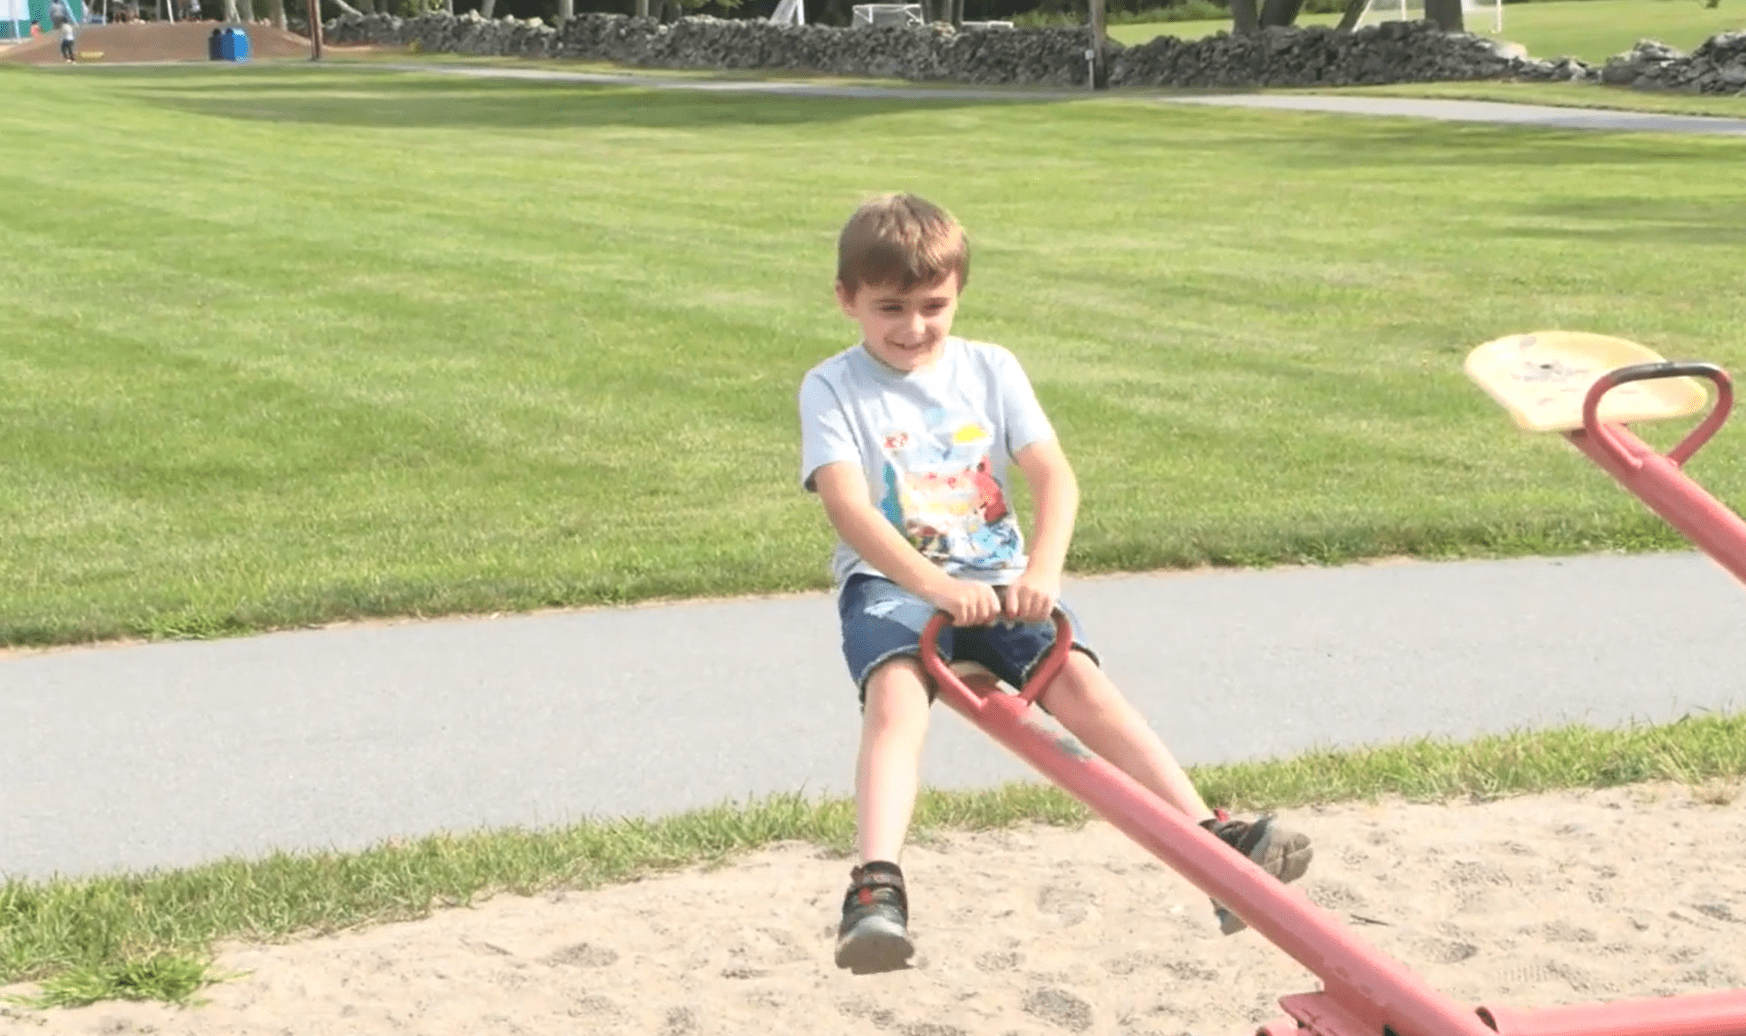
(845, 298)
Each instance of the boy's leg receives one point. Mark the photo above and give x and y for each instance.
(894, 723)
(1093, 710)
(874, 932)
(882, 626)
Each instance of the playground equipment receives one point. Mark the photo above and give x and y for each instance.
(1550, 381)
(1589, 387)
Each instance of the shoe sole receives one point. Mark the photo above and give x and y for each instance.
(875, 945)
(1287, 860)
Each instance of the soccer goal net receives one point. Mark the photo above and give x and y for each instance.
(1478, 15)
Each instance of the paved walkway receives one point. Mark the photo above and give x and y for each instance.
(178, 753)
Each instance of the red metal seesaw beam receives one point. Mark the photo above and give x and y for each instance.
(1366, 993)
(1705, 1014)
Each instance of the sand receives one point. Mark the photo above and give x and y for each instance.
(1522, 902)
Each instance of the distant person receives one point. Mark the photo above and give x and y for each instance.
(69, 41)
(193, 10)
(58, 14)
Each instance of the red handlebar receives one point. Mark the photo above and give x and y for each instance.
(1043, 675)
(1666, 369)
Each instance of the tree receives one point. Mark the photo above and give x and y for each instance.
(1278, 14)
(1244, 18)
(1446, 13)
(1349, 17)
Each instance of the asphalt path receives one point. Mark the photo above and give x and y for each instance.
(179, 753)
(1532, 115)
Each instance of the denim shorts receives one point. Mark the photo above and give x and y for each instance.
(882, 621)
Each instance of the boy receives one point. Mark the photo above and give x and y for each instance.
(69, 41)
(907, 438)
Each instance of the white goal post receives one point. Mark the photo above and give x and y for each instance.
(869, 16)
(1475, 13)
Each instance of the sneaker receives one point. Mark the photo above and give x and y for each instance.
(1281, 852)
(874, 935)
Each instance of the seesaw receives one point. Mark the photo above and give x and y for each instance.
(1550, 382)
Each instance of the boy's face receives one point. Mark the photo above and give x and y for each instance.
(905, 330)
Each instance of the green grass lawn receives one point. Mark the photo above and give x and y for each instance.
(1592, 30)
(286, 345)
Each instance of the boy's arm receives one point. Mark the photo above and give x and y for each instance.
(1054, 506)
(843, 490)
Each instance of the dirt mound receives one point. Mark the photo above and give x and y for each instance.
(153, 41)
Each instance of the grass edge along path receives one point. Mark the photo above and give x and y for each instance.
(152, 936)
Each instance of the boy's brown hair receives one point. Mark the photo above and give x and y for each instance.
(903, 241)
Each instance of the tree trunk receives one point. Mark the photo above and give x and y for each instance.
(1244, 19)
(1099, 64)
(230, 11)
(276, 13)
(247, 9)
(566, 10)
(1349, 18)
(642, 10)
(486, 7)
(1446, 13)
(1279, 14)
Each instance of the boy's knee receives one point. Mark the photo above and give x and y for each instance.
(897, 683)
(1081, 683)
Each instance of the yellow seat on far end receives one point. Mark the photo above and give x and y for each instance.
(1543, 377)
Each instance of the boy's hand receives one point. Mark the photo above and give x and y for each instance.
(1032, 597)
(968, 602)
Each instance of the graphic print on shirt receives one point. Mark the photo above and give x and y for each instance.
(939, 491)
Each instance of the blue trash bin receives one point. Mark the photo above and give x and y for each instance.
(215, 45)
(232, 44)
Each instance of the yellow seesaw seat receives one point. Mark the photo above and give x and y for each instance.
(1542, 378)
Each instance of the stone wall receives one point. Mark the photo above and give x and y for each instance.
(1392, 52)
(1717, 66)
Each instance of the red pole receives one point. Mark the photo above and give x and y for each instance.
(1659, 480)
(1366, 992)
(1705, 1014)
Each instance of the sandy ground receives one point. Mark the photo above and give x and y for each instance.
(153, 41)
(1524, 902)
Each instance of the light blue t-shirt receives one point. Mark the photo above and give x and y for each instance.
(934, 446)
